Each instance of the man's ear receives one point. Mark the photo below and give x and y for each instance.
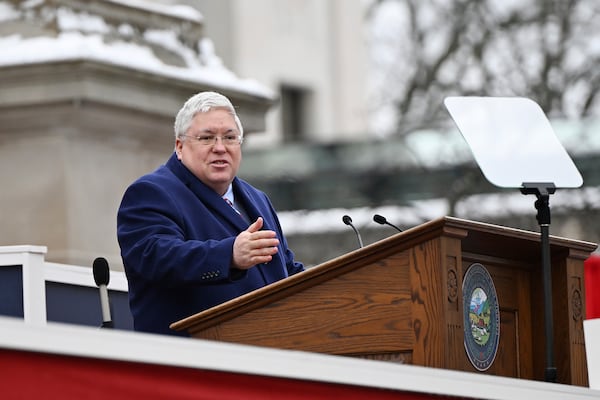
(178, 148)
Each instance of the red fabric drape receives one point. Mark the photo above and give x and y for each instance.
(592, 286)
(28, 375)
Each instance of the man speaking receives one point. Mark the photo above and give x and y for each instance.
(192, 234)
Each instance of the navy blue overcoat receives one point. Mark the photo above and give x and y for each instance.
(176, 236)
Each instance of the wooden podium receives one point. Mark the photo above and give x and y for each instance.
(400, 300)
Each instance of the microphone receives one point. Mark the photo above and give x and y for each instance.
(348, 221)
(380, 219)
(101, 277)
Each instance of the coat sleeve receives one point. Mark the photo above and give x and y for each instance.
(153, 233)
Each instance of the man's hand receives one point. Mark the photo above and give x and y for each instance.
(254, 246)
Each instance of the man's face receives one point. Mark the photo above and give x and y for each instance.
(216, 164)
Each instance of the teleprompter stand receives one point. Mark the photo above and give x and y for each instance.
(543, 191)
(515, 147)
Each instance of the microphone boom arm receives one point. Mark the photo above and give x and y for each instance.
(348, 221)
(380, 219)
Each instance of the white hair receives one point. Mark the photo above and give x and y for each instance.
(203, 102)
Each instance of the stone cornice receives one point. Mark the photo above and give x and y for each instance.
(115, 86)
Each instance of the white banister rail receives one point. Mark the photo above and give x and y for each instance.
(36, 272)
(82, 276)
(591, 328)
(31, 260)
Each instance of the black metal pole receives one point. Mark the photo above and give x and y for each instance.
(550, 372)
(542, 205)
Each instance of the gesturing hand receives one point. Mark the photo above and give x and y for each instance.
(254, 246)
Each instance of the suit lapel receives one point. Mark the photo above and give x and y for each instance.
(248, 201)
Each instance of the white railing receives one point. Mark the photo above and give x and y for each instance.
(592, 347)
(31, 260)
(36, 272)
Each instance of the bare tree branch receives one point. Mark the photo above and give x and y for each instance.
(533, 49)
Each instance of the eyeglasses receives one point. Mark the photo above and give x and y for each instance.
(211, 140)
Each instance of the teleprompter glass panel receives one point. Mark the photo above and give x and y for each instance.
(513, 141)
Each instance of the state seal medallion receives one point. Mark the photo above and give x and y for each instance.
(481, 317)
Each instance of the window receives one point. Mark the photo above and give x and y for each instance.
(293, 113)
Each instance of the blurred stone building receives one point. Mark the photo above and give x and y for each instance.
(88, 94)
(89, 90)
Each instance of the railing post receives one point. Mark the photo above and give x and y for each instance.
(31, 260)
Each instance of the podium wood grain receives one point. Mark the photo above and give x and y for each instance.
(400, 300)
